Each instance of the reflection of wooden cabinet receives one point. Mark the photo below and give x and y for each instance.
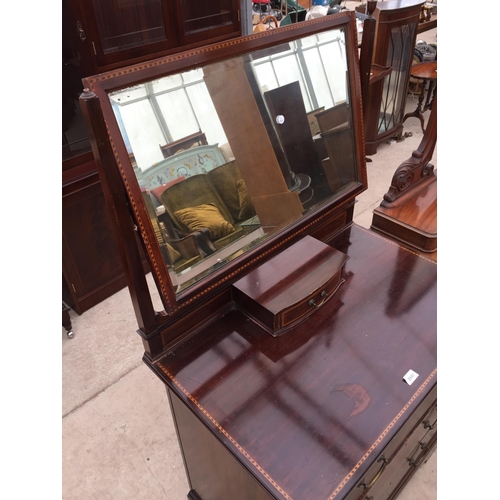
(395, 37)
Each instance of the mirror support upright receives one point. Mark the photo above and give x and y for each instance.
(122, 221)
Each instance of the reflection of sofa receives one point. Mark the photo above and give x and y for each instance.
(215, 203)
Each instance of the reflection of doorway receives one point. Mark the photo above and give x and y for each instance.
(288, 113)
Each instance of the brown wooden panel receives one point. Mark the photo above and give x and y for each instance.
(91, 261)
(207, 459)
(244, 130)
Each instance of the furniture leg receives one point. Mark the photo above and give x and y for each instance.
(66, 322)
(432, 89)
(418, 112)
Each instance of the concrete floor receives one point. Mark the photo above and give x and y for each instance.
(118, 439)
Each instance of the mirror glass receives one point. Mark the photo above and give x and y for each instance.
(230, 153)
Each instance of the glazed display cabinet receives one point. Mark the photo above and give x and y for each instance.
(395, 36)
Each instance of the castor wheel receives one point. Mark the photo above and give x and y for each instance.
(66, 321)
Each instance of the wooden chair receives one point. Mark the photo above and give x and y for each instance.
(191, 193)
(179, 253)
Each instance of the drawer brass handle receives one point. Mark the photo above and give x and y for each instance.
(427, 424)
(324, 295)
(414, 462)
(377, 475)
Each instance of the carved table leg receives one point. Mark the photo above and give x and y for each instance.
(431, 90)
(66, 322)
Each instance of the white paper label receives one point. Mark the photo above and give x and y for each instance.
(410, 377)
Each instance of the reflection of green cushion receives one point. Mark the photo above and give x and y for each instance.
(246, 207)
(173, 253)
(224, 179)
(207, 215)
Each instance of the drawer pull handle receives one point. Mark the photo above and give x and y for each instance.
(324, 295)
(427, 424)
(377, 475)
(414, 462)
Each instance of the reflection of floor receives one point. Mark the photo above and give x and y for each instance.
(204, 267)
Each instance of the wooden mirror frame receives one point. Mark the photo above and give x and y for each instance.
(210, 296)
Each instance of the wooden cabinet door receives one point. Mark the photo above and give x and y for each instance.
(117, 30)
(92, 266)
(203, 19)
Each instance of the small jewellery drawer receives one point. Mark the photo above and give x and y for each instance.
(304, 308)
(292, 285)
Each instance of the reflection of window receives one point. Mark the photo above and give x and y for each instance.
(164, 111)
(318, 63)
(177, 106)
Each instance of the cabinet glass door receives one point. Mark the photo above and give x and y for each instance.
(399, 58)
(125, 29)
(128, 24)
(217, 16)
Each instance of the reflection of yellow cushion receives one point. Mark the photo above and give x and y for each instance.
(246, 207)
(196, 218)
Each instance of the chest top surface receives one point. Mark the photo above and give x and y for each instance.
(306, 411)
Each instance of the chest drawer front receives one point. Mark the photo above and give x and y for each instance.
(403, 465)
(400, 458)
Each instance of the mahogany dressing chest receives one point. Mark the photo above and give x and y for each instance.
(298, 349)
